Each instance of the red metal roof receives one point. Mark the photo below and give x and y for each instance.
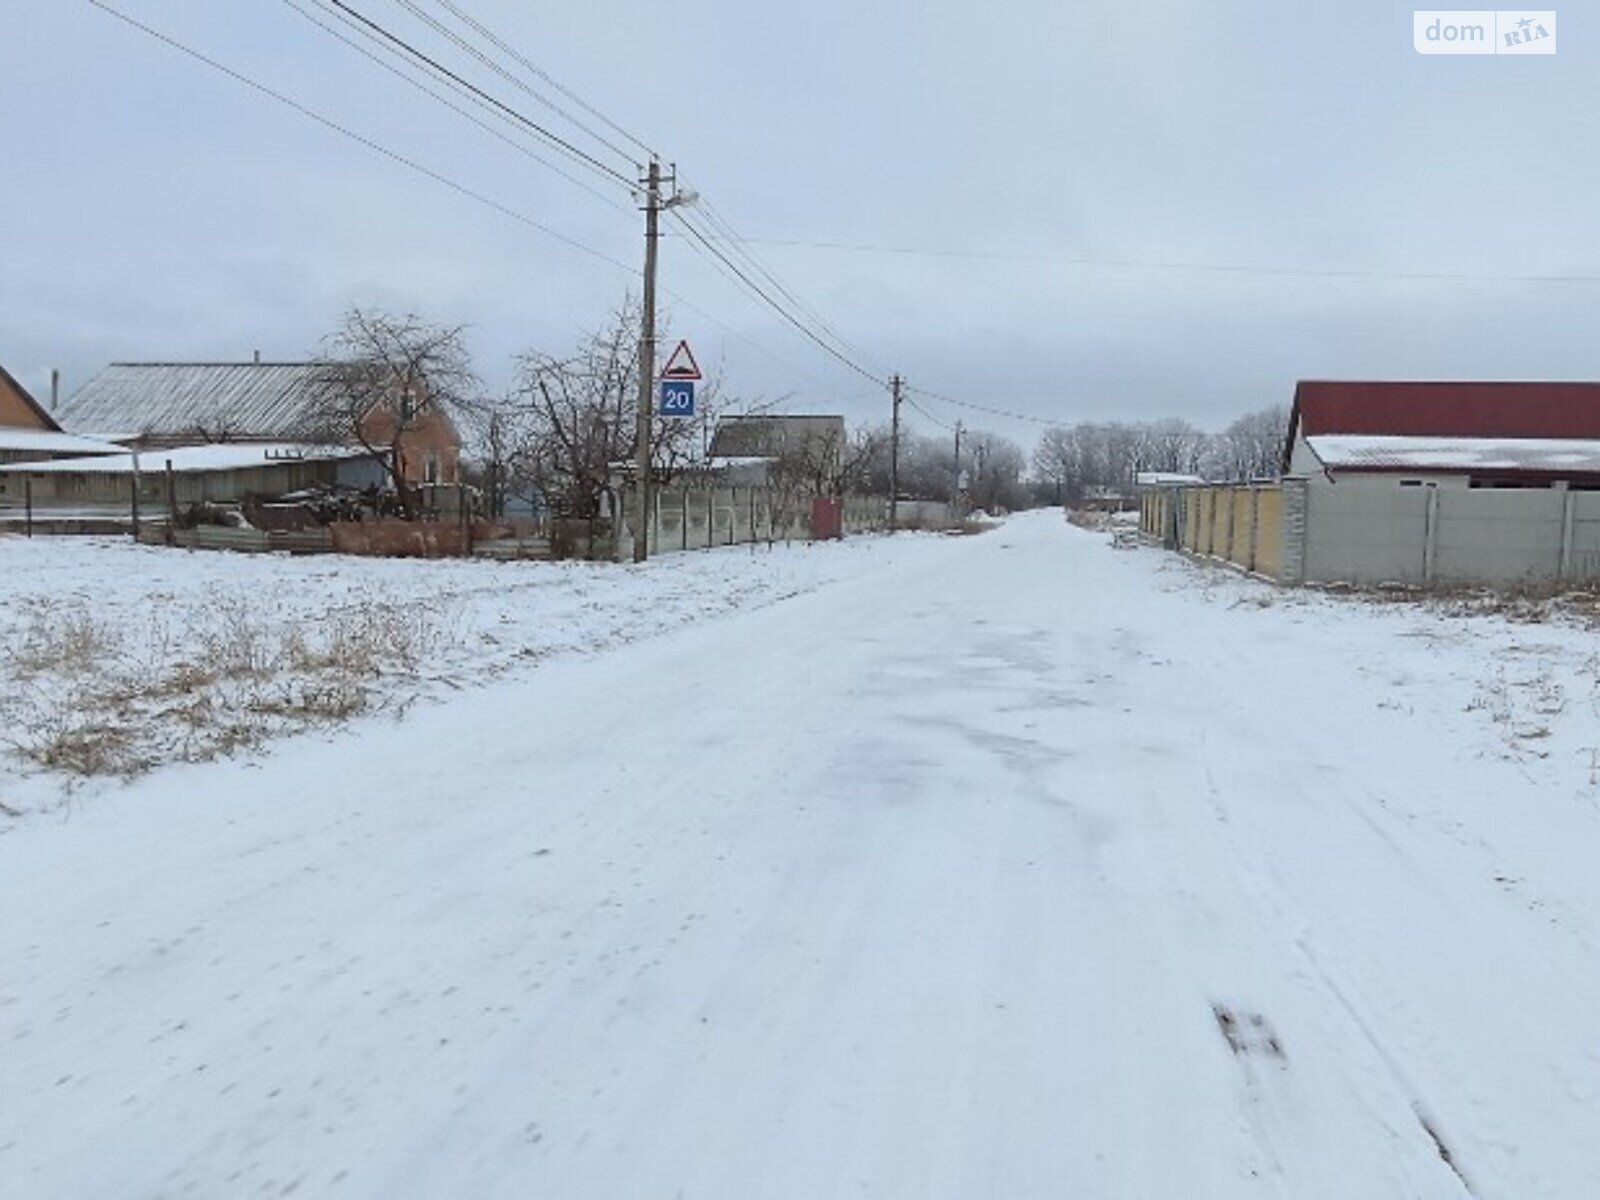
(1441, 409)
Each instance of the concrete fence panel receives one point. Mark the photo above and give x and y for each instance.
(1366, 535)
(1583, 553)
(1499, 535)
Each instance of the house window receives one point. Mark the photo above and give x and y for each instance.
(430, 469)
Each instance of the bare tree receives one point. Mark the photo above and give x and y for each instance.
(1058, 460)
(573, 420)
(864, 451)
(1251, 447)
(994, 480)
(384, 381)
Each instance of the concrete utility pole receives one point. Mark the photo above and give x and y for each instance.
(896, 385)
(654, 205)
(955, 485)
(647, 361)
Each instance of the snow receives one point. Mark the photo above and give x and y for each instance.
(218, 456)
(994, 866)
(48, 441)
(183, 655)
(1355, 451)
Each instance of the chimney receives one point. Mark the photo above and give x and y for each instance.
(55, 387)
(258, 358)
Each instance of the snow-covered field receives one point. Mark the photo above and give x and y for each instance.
(117, 658)
(1011, 865)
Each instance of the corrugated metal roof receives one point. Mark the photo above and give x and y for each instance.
(771, 436)
(214, 401)
(1541, 456)
(1436, 408)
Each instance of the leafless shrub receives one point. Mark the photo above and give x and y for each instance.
(69, 642)
(234, 641)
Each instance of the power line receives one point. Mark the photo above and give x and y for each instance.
(983, 408)
(461, 43)
(927, 414)
(510, 52)
(460, 189)
(553, 138)
(328, 122)
(1175, 265)
(762, 294)
(730, 239)
(401, 74)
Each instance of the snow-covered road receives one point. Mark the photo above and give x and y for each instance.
(1008, 866)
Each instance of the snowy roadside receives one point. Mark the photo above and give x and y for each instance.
(1516, 677)
(991, 839)
(116, 658)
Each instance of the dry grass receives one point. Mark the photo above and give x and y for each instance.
(1524, 604)
(87, 699)
(971, 528)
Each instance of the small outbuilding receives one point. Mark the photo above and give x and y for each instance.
(104, 485)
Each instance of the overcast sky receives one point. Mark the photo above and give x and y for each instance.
(154, 209)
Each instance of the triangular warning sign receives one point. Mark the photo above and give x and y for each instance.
(682, 364)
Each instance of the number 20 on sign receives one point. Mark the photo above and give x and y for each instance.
(677, 399)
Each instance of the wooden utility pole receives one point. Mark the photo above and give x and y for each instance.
(647, 361)
(172, 505)
(135, 497)
(896, 386)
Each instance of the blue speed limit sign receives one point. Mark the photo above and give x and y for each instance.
(677, 398)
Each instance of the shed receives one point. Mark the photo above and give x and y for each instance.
(104, 484)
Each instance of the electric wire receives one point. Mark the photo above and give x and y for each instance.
(723, 231)
(491, 203)
(467, 47)
(550, 136)
(1178, 265)
(763, 295)
(696, 233)
(983, 408)
(521, 60)
(742, 283)
(402, 74)
(329, 123)
(942, 425)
